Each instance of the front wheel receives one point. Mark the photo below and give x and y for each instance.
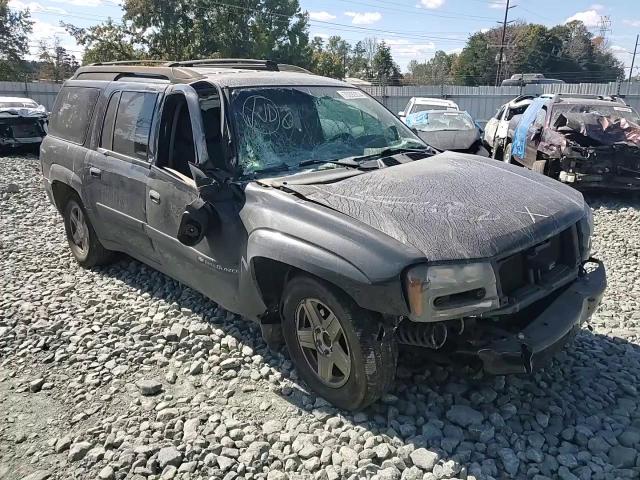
(343, 352)
(506, 154)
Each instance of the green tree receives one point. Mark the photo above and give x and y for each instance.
(108, 42)
(15, 27)
(329, 59)
(384, 68)
(358, 65)
(56, 63)
(436, 71)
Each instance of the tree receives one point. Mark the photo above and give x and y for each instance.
(385, 69)
(57, 64)
(358, 65)
(15, 27)
(436, 71)
(330, 59)
(108, 42)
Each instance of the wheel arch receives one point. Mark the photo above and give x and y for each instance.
(274, 257)
(64, 182)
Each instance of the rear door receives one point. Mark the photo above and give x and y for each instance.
(117, 170)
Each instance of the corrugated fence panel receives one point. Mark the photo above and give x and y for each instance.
(42, 92)
(481, 102)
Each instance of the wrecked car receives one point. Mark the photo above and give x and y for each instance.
(497, 130)
(23, 123)
(585, 141)
(448, 130)
(303, 204)
(422, 104)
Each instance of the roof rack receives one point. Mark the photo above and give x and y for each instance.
(241, 63)
(557, 96)
(174, 71)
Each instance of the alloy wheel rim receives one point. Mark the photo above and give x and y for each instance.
(323, 342)
(79, 229)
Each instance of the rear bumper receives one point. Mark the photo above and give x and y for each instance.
(529, 349)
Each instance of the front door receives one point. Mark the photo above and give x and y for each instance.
(210, 267)
(117, 171)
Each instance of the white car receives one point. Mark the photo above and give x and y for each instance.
(496, 130)
(421, 104)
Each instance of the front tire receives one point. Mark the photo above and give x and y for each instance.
(344, 353)
(506, 154)
(83, 241)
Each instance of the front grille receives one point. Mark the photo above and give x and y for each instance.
(542, 265)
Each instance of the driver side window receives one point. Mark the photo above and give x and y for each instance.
(176, 147)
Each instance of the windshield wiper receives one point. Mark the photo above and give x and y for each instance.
(393, 151)
(345, 162)
(282, 167)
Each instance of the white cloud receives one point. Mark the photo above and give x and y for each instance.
(402, 48)
(589, 17)
(597, 6)
(497, 4)
(35, 7)
(364, 18)
(431, 4)
(484, 30)
(321, 16)
(80, 3)
(454, 50)
(48, 33)
(632, 23)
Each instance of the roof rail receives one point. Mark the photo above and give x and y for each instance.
(555, 96)
(240, 63)
(132, 62)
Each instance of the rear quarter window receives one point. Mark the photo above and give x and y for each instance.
(72, 113)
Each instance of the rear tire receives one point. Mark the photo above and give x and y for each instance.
(343, 352)
(83, 241)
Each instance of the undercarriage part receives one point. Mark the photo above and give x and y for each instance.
(429, 335)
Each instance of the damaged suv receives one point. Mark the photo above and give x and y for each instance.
(586, 141)
(303, 204)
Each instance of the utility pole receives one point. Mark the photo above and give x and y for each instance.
(504, 32)
(633, 61)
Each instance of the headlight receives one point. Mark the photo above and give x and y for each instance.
(443, 292)
(585, 231)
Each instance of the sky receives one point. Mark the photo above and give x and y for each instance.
(414, 29)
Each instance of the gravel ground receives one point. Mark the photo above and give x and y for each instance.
(121, 372)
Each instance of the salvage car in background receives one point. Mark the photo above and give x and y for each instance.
(421, 104)
(496, 131)
(23, 123)
(585, 141)
(448, 130)
(303, 204)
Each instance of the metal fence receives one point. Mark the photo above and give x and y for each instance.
(42, 92)
(480, 102)
(483, 102)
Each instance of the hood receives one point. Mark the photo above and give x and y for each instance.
(40, 111)
(450, 139)
(454, 206)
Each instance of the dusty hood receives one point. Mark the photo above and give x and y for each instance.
(450, 139)
(454, 206)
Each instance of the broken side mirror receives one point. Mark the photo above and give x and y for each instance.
(197, 220)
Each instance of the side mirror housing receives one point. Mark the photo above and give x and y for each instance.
(197, 219)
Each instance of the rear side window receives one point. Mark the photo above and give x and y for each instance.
(109, 117)
(72, 113)
(133, 124)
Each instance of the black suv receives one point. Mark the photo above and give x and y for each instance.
(303, 204)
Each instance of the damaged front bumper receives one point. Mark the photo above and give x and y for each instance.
(614, 167)
(528, 349)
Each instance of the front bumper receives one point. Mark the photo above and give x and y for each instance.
(530, 348)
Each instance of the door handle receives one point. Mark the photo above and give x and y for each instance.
(95, 172)
(154, 196)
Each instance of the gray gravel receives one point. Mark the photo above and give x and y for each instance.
(121, 372)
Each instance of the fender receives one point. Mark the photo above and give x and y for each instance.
(62, 174)
(384, 297)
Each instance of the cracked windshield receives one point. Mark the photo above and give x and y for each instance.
(435, 121)
(280, 128)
